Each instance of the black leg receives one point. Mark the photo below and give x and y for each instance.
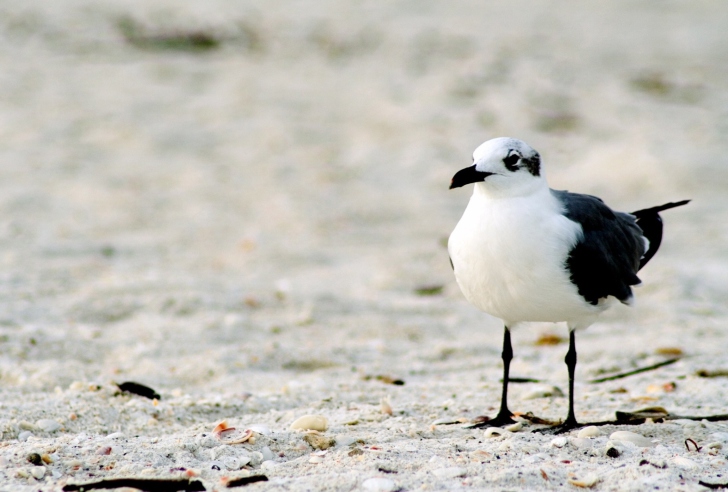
(504, 415)
(570, 360)
(570, 422)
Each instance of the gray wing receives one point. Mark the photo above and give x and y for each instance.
(606, 259)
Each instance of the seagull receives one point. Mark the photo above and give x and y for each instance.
(523, 252)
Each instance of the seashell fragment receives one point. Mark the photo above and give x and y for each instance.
(587, 481)
(310, 422)
(684, 462)
(634, 438)
(559, 442)
(514, 427)
(227, 434)
(492, 432)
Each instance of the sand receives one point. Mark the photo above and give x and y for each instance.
(256, 231)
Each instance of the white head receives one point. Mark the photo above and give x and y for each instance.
(503, 167)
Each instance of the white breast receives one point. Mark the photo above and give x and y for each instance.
(509, 258)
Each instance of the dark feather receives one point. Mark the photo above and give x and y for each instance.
(606, 259)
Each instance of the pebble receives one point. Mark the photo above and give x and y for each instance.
(317, 441)
(378, 484)
(232, 463)
(316, 459)
(634, 438)
(559, 442)
(268, 465)
(310, 422)
(48, 425)
(267, 453)
(544, 392)
(260, 429)
(23, 436)
(580, 442)
(451, 472)
(589, 431)
(38, 472)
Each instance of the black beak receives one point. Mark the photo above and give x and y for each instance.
(467, 176)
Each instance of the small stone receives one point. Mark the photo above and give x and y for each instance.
(612, 452)
(23, 436)
(27, 426)
(559, 442)
(378, 484)
(310, 422)
(268, 465)
(47, 458)
(634, 438)
(231, 463)
(544, 392)
(451, 472)
(267, 453)
(48, 425)
(35, 459)
(580, 442)
(589, 431)
(38, 472)
(260, 429)
(316, 459)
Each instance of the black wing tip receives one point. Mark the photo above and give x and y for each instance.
(660, 208)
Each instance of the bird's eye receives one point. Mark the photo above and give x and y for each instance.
(511, 162)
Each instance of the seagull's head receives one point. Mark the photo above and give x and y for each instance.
(503, 166)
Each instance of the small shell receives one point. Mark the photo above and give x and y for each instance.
(316, 459)
(589, 480)
(385, 406)
(684, 462)
(310, 422)
(634, 438)
(492, 432)
(559, 442)
(227, 434)
(514, 427)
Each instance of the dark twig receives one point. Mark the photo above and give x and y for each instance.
(145, 484)
(636, 371)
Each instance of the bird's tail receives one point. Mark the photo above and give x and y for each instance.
(649, 221)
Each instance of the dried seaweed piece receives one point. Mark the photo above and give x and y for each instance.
(242, 481)
(714, 486)
(145, 484)
(429, 290)
(636, 371)
(139, 389)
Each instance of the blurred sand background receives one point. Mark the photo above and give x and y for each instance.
(248, 221)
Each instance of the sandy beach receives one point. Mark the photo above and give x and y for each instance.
(244, 207)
